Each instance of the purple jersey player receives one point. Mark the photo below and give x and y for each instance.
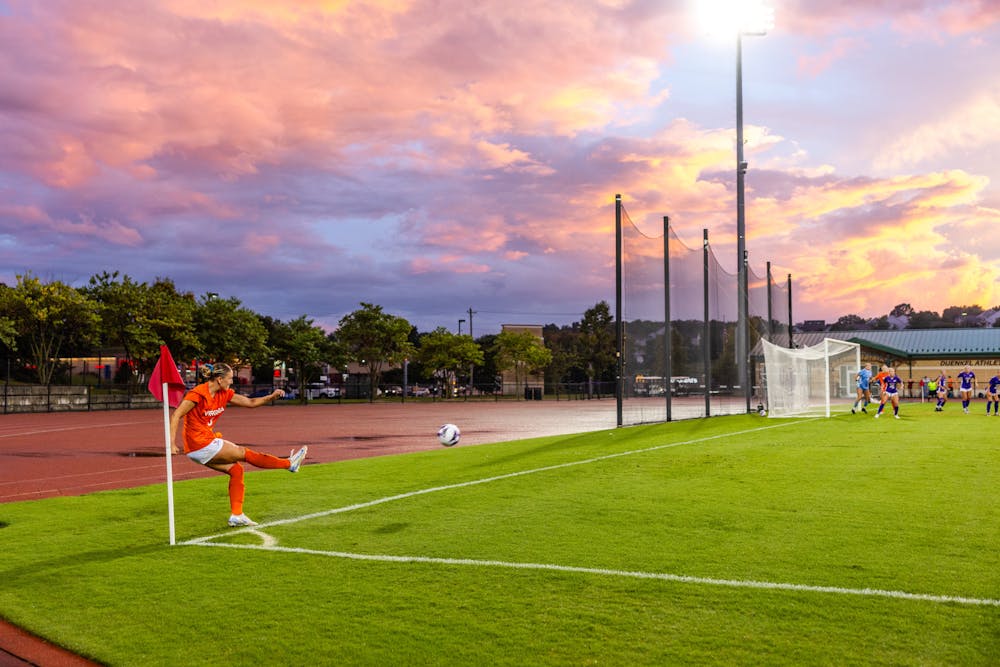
(890, 392)
(993, 395)
(967, 385)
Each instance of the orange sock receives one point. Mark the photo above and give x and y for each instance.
(265, 460)
(236, 489)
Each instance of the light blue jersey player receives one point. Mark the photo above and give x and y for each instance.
(863, 379)
(968, 384)
(890, 392)
(993, 396)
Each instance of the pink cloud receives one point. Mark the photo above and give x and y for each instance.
(260, 244)
(31, 219)
(813, 66)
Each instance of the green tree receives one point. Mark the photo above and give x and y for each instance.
(926, 319)
(171, 316)
(138, 318)
(230, 333)
(849, 323)
(374, 339)
(563, 343)
(302, 346)
(488, 375)
(523, 352)
(902, 310)
(597, 344)
(122, 315)
(448, 354)
(961, 315)
(881, 324)
(8, 333)
(49, 318)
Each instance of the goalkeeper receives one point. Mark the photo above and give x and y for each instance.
(863, 379)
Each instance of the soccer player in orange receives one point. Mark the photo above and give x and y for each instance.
(200, 411)
(880, 378)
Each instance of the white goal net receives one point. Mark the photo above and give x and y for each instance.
(805, 382)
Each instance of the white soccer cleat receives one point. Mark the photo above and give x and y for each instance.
(296, 459)
(877, 415)
(239, 520)
(896, 416)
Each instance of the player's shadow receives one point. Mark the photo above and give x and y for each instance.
(391, 528)
(36, 568)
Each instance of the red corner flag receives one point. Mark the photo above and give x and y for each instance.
(166, 371)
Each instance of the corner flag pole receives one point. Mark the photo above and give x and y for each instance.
(167, 385)
(170, 464)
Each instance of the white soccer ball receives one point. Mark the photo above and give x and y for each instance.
(449, 435)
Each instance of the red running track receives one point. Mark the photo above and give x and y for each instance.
(73, 453)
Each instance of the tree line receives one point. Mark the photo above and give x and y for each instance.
(950, 317)
(44, 323)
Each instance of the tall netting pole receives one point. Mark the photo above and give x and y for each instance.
(619, 329)
(667, 330)
(770, 315)
(706, 332)
(791, 343)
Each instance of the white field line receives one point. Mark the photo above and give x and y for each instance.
(486, 480)
(269, 545)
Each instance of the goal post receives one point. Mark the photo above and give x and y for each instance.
(805, 382)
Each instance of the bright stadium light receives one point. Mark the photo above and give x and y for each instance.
(738, 18)
(725, 18)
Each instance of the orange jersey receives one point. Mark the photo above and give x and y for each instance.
(199, 423)
(880, 378)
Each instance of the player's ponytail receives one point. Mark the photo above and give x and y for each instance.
(214, 371)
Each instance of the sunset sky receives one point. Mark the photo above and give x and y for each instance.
(431, 156)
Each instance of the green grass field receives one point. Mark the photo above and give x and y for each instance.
(735, 540)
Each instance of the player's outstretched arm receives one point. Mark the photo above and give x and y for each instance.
(244, 402)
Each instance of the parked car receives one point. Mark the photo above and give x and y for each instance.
(322, 391)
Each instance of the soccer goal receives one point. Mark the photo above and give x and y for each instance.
(804, 382)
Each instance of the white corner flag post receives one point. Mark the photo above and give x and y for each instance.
(170, 465)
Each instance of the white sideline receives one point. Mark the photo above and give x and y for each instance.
(459, 485)
(270, 543)
(662, 576)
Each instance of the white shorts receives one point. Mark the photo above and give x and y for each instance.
(208, 452)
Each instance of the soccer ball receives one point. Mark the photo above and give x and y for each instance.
(449, 435)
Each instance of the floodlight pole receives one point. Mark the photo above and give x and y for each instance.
(743, 286)
(741, 246)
